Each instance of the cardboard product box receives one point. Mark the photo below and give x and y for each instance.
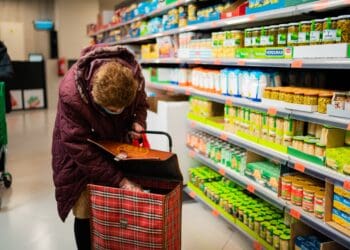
(259, 6)
(339, 50)
(161, 75)
(300, 229)
(153, 100)
(265, 53)
(334, 217)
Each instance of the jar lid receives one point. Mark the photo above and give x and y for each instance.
(318, 20)
(320, 193)
(321, 145)
(277, 232)
(285, 237)
(282, 25)
(311, 93)
(272, 26)
(326, 94)
(298, 138)
(292, 24)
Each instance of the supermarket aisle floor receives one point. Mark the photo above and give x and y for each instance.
(28, 219)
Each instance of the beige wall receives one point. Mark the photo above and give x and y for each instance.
(72, 16)
(24, 11)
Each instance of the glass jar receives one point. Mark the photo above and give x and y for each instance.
(297, 193)
(267, 93)
(343, 29)
(309, 146)
(316, 31)
(257, 223)
(320, 149)
(298, 97)
(298, 143)
(248, 38)
(319, 206)
(304, 33)
(288, 129)
(311, 129)
(275, 93)
(263, 227)
(282, 34)
(308, 198)
(293, 34)
(286, 187)
(284, 242)
(272, 32)
(282, 94)
(310, 98)
(276, 239)
(289, 96)
(324, 99)
(339, 101)
(256, 37)
(264, 38)
(329, 34)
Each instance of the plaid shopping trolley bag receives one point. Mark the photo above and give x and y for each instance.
(123, 219)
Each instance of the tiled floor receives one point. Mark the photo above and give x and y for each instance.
(28, 218)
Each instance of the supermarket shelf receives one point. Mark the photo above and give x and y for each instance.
(247, 20)
(156, 12)
(217, 211)
(315, 170)
(236, 140)
(318, 225)
(342, 123)
(243, 181)
(341, 63)
(241, 102)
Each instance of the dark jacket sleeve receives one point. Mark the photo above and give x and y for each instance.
(141, 105)
(74, 134)
(6, 70)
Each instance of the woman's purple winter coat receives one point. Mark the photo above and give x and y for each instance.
(75, 161)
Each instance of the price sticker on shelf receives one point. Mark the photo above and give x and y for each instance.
(294, 213)
(251, 18)
(214, 24)
(251, 188)
(215, 213)
(217, 62)
(272, 111)
(222, 171)
(241, 62)
(192, 194)
(229, 102)
(188, 92)
(299, 167)
(193, 124)
(197, 61)
(297, 64)
(320, 5)
(192, 153)
(257, 246)
(346, 185)
(224, 137)
(170, 89)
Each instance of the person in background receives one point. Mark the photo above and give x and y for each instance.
(101, 97)
(6, 74)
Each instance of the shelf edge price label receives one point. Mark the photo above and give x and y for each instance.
(215, 213)
(299, 167)
(224, 137)
(346, 185)
(192, 153)
(197, 61)
(348, 127)
(217, 62)
(214, 24)
(193, 124)
(323, 4)
(222, 171)
(229, 102)
(251, 188)
(170, 89)
(294, 213)
(192, 194)
(241, 62)
(257, 246)
(272, 111)
(251, 18)
(187, 92)
(297, 64)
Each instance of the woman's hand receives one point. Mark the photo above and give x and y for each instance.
(129, 185)
(136, 129)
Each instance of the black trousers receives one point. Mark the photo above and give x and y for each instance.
(82, 233)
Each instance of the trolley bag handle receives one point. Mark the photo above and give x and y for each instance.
(157, 133)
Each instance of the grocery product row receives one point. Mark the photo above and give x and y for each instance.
(318, 144)
(265, 86)
(271, 227)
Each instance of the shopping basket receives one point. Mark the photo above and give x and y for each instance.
(5, 177)
(123, 219)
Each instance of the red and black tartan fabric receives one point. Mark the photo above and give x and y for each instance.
(123, 219)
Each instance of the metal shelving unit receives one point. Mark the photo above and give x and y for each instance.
(341, 63)
(315, 170)
(342, 123)
(156, 12)
(243, 181)
(247, 20)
